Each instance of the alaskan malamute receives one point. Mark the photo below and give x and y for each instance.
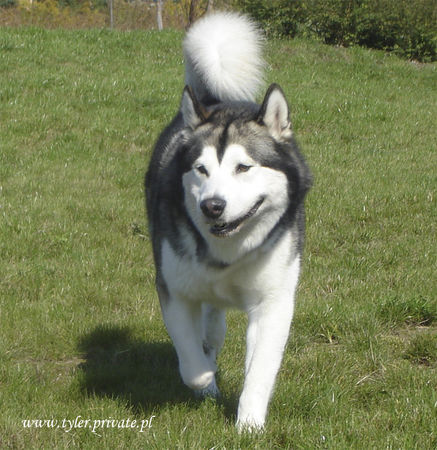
(225, 196)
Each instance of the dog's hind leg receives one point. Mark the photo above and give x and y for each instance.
(184, 325)
(214, 330)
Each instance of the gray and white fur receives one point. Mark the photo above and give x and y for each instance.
(225, 196)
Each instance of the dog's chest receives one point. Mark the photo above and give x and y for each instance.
(234, 286)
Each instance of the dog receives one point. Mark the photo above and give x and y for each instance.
(225, 192)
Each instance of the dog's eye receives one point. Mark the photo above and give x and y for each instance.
(241, 168)
(202, 169)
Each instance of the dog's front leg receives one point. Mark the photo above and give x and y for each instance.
(184, 325)
(267, 334)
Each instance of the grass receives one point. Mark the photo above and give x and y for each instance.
(81, 332)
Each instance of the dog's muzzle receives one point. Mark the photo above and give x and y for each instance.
(213, 207)
(223, 229)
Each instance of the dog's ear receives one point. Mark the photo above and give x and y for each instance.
(274, 113)
(192, 110)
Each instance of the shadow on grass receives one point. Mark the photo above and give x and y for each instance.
(143, 374)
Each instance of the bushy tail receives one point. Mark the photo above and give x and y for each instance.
(223, 59)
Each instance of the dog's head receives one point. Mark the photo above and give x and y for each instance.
(242, 169)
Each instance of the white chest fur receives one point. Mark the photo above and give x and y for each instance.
(242, 285)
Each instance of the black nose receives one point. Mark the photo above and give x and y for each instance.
(213, 207)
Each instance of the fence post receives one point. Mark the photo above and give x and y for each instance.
(159, 15)
(111, 13)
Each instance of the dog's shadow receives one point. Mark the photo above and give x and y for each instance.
(116, 364)
(144, 375)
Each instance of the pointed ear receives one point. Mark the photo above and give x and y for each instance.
(274, 113)
(193, 112)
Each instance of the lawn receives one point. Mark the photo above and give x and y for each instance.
(81, 336)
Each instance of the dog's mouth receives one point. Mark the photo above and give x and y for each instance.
(223, 229)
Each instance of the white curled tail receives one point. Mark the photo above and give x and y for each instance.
(223, 57)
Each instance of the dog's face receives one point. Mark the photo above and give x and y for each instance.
(234, 189)
(232, 194)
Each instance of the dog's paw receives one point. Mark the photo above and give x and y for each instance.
(210, 391)
(249, 424)
(197, 380)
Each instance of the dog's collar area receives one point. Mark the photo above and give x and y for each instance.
(225, 229)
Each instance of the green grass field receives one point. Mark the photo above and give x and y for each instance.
(81, 335)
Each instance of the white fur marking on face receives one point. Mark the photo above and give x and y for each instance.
(242, 191)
